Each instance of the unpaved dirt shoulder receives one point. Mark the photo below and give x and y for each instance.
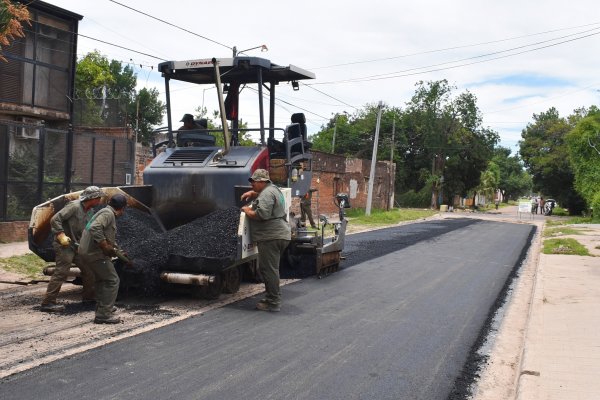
(29, 337)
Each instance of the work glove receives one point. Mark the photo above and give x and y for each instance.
(121, 255)
(63, 239)
(107, 249)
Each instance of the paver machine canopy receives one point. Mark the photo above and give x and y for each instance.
(193, 177)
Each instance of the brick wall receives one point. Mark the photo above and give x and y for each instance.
(101, 144)
(334, 174)
(13, 231)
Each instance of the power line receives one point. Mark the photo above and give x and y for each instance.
(450, 48)
(325, 94)
(400, 74)
(121, 47)
(171, 24)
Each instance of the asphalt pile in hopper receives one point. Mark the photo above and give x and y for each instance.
(213, 236)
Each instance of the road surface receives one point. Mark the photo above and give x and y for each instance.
(397, 322)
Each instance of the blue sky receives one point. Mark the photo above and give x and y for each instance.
(518, 58)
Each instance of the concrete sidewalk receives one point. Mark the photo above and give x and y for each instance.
(560, 353)
(561, 357)
(13, 249)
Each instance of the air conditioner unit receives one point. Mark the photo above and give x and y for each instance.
(29, 130)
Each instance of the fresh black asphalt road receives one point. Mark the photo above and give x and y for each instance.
(398, 322)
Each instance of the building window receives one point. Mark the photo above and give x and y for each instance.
(39, 65)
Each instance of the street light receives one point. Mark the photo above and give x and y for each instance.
(262, 47)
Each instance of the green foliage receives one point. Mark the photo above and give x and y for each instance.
(559, 211)
(213, 122)
(546, 156)
(29, 265)
(565, 246)
(584, 151)
(595, 205)
(93, 71)
(514, 180)
(490, 180)
(561, 231)
(382, 217)
(147, 111)
(415, 199)
(444, 134)
(438, 135)
(97, 80)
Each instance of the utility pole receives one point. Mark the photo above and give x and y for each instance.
(334, 130)
(373, 160)
(137, 125)
(392, 170)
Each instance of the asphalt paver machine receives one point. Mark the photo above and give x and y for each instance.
(193, 176)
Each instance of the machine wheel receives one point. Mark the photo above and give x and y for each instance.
(231, 280)
(211, 291)
(251, 272)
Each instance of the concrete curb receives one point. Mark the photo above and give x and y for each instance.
(526, 384)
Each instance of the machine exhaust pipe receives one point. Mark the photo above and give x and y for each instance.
(187, 279)
(73, 272)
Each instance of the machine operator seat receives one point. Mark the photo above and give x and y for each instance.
(300, 119)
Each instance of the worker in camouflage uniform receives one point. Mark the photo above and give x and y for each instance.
(98, 246)
(67, 226)
(271, 232)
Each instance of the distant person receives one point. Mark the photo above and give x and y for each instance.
(305, 208)
(67, 227)
(542, 202)
(271, 232)
(533, 205)
(98, 246)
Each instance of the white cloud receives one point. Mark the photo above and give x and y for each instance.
(315, 34)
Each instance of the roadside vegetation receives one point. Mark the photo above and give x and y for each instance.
(562, 231)
(382, 217)
(29, 265)
(565, 246)
(569, 221)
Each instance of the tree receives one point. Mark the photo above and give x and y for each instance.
(446, 132)
(146, 111)
(12, 17)
(92, 79)
(546, 157)
(490, 180)
(106, 95)
(584, 150)
(514, 180)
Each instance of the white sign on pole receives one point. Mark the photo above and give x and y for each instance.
(524, 207)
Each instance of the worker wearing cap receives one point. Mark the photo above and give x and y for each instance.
(271, 232)
(188, 123)
(67, 226)
(98, 246)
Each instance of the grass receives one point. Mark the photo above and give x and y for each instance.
(29, 265)
(569, 221)
(382, 217)
(564, 246)
(561, 231)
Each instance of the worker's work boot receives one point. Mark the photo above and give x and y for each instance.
(110, 320)
(264, 306)
(52, 307)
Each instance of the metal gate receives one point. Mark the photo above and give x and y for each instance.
(39, 163)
